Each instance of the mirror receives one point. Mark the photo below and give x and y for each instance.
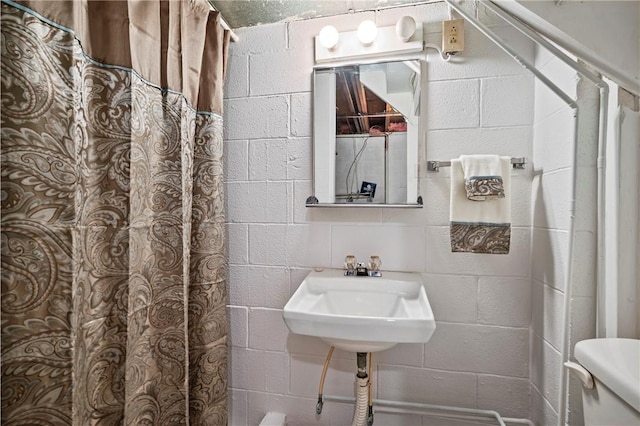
(366, 123)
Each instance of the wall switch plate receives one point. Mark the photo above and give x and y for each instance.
(453, 36)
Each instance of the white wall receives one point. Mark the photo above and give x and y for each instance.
(622, 286)
(481, 102)
(553, 133)
(604, 33)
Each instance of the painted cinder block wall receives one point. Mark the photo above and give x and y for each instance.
(480, 102)
(552, 162)
(552, 158)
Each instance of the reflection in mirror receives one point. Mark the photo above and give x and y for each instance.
(371, 168)
(366, 126)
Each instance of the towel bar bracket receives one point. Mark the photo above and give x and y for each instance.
(434, 166)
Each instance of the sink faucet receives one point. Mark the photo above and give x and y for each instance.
(361, 270)
(355, 268)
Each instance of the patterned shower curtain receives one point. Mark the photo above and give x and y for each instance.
(113, 260)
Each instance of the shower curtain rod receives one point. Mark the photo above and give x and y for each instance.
(224, 24)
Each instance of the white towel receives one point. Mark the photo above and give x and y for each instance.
(482, 177)
(480, 227)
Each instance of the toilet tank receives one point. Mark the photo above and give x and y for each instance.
(615, 366)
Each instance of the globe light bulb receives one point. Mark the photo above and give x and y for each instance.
(405, 28)
(329, 37)
(367, 32)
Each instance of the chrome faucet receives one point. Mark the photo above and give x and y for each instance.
(361, 270)
(355, 268)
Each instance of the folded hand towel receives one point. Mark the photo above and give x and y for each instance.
(482, 177)
(480, 227)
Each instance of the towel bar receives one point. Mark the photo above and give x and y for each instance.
(434, 166)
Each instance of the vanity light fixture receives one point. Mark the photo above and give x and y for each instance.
(369, 41)
(329, 37)
(367, 32)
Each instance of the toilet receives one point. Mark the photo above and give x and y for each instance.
(614, 366)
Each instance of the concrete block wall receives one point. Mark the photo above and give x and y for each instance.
(479, 102)
(553, 133)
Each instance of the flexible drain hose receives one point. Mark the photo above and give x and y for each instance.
(362, 402)
(320, 388)
(370, 391)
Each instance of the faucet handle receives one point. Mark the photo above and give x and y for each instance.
(350, 262)
(375, 263)
(350, 265)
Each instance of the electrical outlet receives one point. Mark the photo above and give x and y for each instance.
(453, 36)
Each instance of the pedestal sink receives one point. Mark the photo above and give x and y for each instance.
(361, 313)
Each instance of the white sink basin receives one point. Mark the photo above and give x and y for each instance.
(361, 314)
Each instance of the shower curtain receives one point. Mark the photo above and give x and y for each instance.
(113, 262)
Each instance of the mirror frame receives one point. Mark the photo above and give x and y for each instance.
(324, 139)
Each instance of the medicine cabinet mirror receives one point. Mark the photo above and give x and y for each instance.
(366, 131)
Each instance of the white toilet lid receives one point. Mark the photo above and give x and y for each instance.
(616, 363)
